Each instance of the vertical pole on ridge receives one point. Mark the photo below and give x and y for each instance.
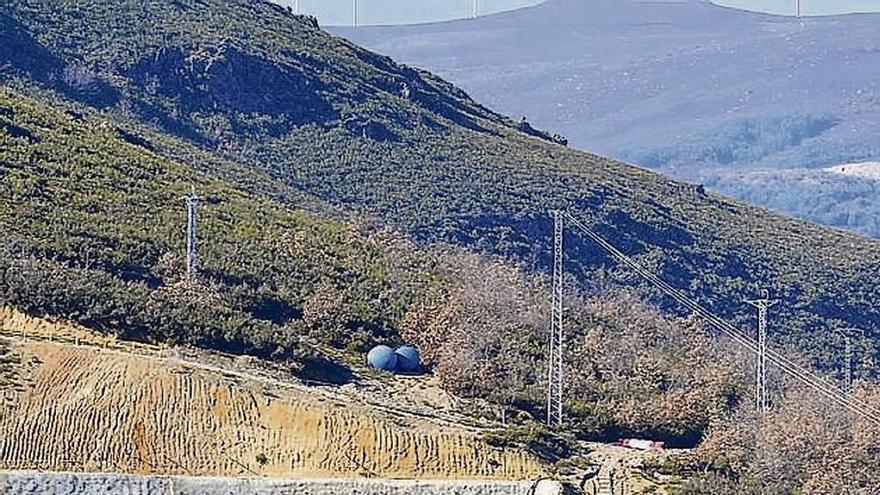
(354, 13)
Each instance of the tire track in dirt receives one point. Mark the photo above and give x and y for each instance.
(87, 409)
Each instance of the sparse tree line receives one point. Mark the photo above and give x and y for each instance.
(803, 446)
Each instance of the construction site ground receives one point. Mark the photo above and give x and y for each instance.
(86, 403)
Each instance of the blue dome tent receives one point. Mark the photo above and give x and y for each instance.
(408, 359)
(382, 358)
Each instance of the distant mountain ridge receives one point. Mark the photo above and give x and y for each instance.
(700, 92)
(393, 12)
(814, 8)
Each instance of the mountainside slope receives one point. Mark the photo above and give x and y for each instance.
(93, 231)
(218, 74)
(701, 92)
(363, 133)
(109, 115)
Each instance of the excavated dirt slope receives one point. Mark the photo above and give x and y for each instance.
(87, 407)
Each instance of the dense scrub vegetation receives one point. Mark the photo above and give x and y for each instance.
(361, 132)
(92, 230)
(631, 371)
(803, 447)
(634, 372)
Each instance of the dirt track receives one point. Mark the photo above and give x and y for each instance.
(88, 409)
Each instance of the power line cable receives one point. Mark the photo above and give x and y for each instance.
(803, 375)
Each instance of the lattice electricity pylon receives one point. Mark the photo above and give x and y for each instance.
(192, 242)
(761, 375)
(555, 383)
(472, 9)
(846, 333)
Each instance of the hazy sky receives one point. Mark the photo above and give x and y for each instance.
(808, 7)
(371, 12)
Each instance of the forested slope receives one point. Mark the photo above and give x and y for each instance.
(321, 163)
(253, 84)
(92, 231)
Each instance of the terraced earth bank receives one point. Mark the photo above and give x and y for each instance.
(86, 408)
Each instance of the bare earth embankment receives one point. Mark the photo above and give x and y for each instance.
(86, 407)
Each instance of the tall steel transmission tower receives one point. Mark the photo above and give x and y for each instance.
(763, 305)
(555, 377)
(799, 13)
(846, 333)
(192, 242)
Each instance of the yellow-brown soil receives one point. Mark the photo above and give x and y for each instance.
(87, 408)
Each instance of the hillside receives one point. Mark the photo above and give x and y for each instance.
(350, 200)
(703, 93)
(92, 230)
(93, 233)
(364, 134)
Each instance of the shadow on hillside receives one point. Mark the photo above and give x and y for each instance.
(319, 370)
(227, 80)
(22, 55)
